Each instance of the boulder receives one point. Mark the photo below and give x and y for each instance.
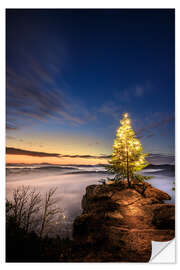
(164, 216)
(118, 223)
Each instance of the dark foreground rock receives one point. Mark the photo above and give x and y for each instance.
(119, 223)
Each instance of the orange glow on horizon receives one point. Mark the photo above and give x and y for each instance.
(52, 160)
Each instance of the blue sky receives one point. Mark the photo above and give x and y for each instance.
(72, 73)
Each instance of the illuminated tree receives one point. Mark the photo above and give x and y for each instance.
(127, 157)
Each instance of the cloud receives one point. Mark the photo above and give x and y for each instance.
(88, 156)
(33, 94)
(139, 91)
(136, 90)
(150, 135)
(154, 125)
(110, 108)
(123, 98)
(11, 138)
(11, 127)
(17, 151)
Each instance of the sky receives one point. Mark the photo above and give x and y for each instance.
(70, 74)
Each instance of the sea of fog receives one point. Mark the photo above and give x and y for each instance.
(71, 182)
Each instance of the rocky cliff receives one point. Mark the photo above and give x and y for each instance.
(118, 223)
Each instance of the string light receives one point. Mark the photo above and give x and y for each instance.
(127, 156)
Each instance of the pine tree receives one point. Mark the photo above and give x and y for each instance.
(127, 157)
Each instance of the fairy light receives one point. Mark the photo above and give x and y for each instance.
(127, 155)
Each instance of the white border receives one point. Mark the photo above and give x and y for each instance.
(90, 4)
(74, 4)
(2, 136)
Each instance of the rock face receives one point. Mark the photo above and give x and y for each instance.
(118, 223)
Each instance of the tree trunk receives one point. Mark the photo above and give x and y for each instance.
(129, 183)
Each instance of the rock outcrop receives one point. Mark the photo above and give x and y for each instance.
(119, 223)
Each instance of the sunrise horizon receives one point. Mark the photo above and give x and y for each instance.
(31, 157)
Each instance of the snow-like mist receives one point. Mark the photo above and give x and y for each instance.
(71, 182)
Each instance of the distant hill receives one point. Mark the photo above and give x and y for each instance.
(161, 166)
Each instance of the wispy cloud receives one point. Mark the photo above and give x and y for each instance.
(137, 90)
(10, 126)
(10, 137)
(17, 151)
(149, 130)
(34, 94)
(111, 109)
(122, 98)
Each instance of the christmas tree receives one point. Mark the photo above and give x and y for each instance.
(128, 156)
